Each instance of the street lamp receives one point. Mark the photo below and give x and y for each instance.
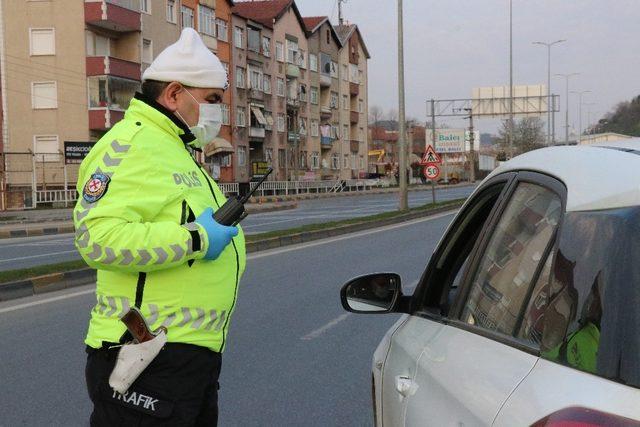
(580, 93)
(566, 117)
(404, 201)
(548, 45)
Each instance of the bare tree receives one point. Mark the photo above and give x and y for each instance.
(392, 115)
(375, 115)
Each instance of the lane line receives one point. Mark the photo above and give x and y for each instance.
(46, 301)
(38, 256)
(262, 255)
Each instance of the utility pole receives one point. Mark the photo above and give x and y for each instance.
(549, 106)
(404, 202)
(471, 156)
(340, 19)
(580, 93)
(510, 133)
(566, 113)
(433, 142)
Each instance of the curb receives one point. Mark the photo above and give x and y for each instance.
(86, 276)
(63, 229)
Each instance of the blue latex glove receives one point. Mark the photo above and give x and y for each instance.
(219, 236)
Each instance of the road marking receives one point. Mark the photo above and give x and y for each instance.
(46, 301)
(348, 236)
(38, 256)
(258, 255)
(325, 328)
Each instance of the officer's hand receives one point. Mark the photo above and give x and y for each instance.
(218, 235)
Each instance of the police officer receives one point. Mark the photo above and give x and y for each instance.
(144, 221)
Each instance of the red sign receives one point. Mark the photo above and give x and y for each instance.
(431, 172)
(430, 157)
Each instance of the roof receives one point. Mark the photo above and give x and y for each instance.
(588, 173)
(346, 31)
(266, 12)
(313, 24)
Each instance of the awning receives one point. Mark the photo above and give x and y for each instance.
(218, 146)
(259, 116)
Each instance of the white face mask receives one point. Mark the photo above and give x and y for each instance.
(209, 123)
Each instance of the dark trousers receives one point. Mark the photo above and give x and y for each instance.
(178, 388)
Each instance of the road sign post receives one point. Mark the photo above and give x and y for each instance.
(430, 161)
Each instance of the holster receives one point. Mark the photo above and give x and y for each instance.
(133, 359)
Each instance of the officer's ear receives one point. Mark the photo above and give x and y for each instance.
(169, 97)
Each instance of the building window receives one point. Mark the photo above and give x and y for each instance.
(226, 119)
(280, 51)
(345, 132)
(281, 124)
(206, 20)
(345, 161)
(44, 95)
(314, 95)
(302, 125)
(241, 116)
(292, 51)
(222, 30)
(334, 100)
(302, 59)
(268, 155)
(345, 102)
(334, 69)
(266, 46)
(145, 6)
(360, 77)
(225, 161)
(282, 157)
(354, 73)
(345, 72)
(242, 156)
(360, 106)
(97, 45)
(42, 41)
(147, 51)
(253, 40)
(46, 148)
(335, 161)
(280, 86)
(313, 62)
(303, 93)
(315, 160)
(315, 128)
(240, 77)
(187, 17)
(111, 92)
(238, 35)
(267, 83)
(171, 11)
(255, 78)
(268, 116)
(353, 161)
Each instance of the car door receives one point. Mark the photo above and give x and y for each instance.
(467, 370)
(410, 339)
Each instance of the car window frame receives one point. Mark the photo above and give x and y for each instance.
(417, 304)
(523, 176)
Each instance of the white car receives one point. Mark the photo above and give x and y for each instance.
(528, 312)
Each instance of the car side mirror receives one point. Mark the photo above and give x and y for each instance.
(373, 293)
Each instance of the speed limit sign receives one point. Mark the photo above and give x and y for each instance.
(431, 172)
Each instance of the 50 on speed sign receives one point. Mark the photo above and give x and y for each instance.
(431, 172)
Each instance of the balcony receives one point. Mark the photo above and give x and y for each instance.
(354, 146)
(354, 89)
(104, 119)
(355, 117)
(325, 80)
(109, 66)
(293, 71)
(326, 142)
(256, 94)
(325, 112)
(121, 16)
(256, 132)
(293, 103)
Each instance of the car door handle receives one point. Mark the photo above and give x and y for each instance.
(404, 385)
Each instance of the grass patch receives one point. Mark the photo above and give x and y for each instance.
(27, 273)
(324, 225)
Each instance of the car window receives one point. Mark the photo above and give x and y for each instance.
(592, 318)
(450, 261)
(531, 328)
(500, 287)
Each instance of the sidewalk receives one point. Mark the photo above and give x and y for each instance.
(58, 221)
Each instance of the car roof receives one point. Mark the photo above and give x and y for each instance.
(597, 176)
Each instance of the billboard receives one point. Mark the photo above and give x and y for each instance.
(453, 140)
(528, 100)
(75, 152)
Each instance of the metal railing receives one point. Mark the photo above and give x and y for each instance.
(232, 189)
(274, 188)
(56, 196)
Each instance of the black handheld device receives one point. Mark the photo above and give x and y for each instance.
(232, 212)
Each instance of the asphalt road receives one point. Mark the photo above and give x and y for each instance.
(294, 357)
(27, 252)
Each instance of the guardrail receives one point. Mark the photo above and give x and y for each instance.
(56, 196)
(232, 189)
(275, 188)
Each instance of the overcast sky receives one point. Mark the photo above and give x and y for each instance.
(452, 46)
